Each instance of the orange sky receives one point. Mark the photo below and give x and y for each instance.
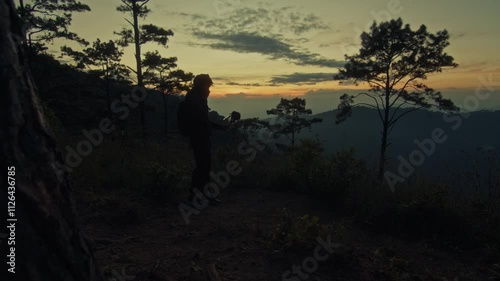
(291, 47)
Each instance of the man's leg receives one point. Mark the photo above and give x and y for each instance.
(207, 166)
(201, 173)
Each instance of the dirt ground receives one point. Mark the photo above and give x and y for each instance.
(142, 241)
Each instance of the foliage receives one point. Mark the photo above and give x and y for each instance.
(148, 33)
(102, 59)
(308, 163)
(177, 81)
(164, 181)
(151, 169)
(297, 232)
(46, 20)
(329, 178)
(142, 34)
(394, 60)
(289, 114)
(248, 128)
(161, 74)
(133, 7)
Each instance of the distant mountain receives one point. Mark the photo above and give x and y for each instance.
(466, 135)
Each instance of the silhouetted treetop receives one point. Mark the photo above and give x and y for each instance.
(130, 5)
(394, 60)
(290, 114)
(46, 20)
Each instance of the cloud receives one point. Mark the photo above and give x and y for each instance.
(231, 83)
(329, 93)
(242, 95)
(194, 16)
(276, 21)
(271, 46)
(457, 35)
(302, 78)
(277, 33)
(243, 42)
(475, 67)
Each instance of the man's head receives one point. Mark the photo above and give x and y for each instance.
(203, 82)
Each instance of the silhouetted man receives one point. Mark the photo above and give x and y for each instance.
(197, 101)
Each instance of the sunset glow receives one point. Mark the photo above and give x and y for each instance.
(254, 49)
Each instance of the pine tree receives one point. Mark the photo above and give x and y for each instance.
(394, 60)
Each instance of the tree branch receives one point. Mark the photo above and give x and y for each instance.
(374, 82)
(131, 69)
(400, 91)
(142, 5)
(365, 104)
(129, 22)
(370, 96)
(372, 106)
(392, 122)
(397, 109)
(127, 4)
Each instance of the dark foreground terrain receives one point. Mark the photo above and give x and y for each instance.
(136, 240)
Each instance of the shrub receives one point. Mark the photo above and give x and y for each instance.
(297, 232)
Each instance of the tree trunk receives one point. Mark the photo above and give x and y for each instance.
(383, 147)
(166, 112)
(49, 242)
(108, 95)
(140, 82)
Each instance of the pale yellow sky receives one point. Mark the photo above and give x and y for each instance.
(305, 50)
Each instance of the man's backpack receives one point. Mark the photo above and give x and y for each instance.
(184, 118)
